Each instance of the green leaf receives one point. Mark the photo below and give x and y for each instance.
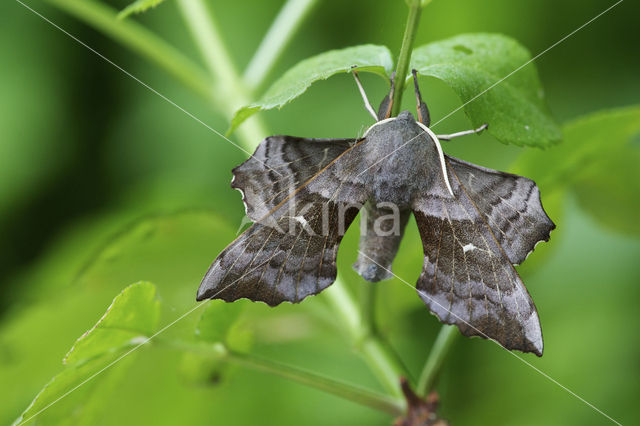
(70, 397)
(611, 191)
(172, 250)
(607, 183)
(76, 395)
(138, 6)
(598, 161)
(473, 65)
(129, 321)
(368, 58)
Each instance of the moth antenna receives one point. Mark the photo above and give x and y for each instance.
(367, 104)
(384, 110)
(443, 165)
(421, 107)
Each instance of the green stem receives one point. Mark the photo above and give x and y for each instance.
(432, 367)
(378, 355)
(212, 49)
(138, 39)
(368, 306)
(324, 383)
(404, 58)
(229, 90)
(345, 390)
(289, 19)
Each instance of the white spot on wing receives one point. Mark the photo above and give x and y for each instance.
(244, 200)
(302, 221)
(468, 247)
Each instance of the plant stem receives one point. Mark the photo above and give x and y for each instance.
(138, 39)
(289, 19)
(345, 390)
(432, 367)
(336, 387)
(368, 306)
(212, 49)
(229, 88)
(376, 352)
(404, 58)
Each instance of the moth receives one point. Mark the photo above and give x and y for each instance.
(475, 223)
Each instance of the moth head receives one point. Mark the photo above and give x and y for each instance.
(406, 116)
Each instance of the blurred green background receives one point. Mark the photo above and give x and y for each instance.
(103, 183)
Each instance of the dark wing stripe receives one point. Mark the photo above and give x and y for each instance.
(297, 160)
(298, 278)
(509, 203)
(294, 261)
(515, 210)
(509, 276)
(466, 269)
(288, 163)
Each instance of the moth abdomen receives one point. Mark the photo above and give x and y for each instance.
(382, 228)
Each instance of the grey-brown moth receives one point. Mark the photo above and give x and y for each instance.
(475, 224)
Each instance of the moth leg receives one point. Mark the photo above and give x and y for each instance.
(384, 110)
(423, 111)
(367, 104)
(463, 133)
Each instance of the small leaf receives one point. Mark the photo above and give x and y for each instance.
(138, 6)
(471, 64)
(598, 160)
(131, 318)
(75, 395)
(606, 193)
(368, 58)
